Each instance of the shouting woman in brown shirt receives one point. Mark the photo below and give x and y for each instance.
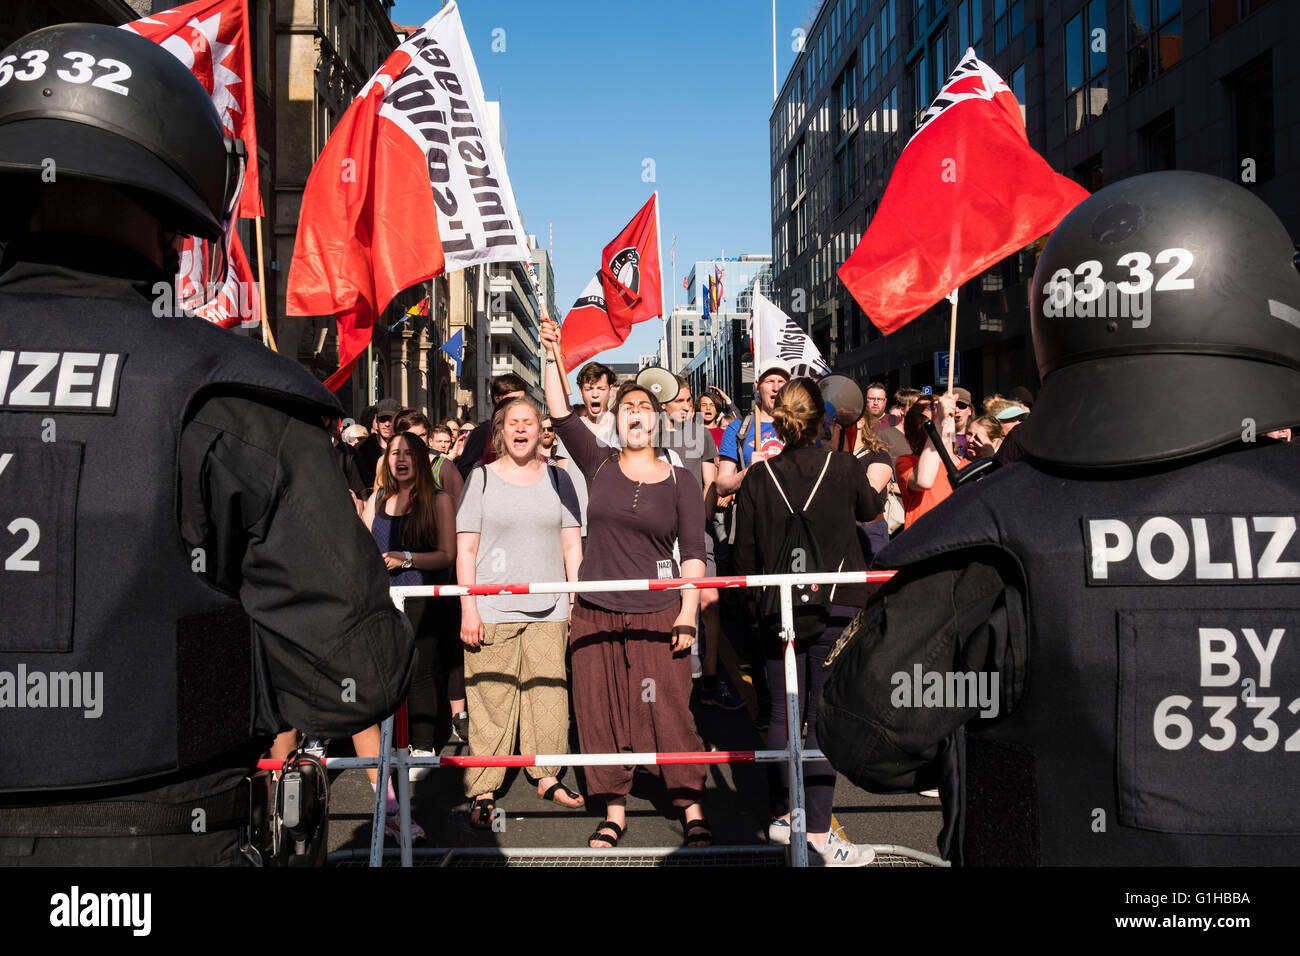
(631, 650)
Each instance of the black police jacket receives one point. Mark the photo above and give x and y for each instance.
(1096, 670)
(184, 572)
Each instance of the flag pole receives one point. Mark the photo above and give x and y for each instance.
(659, 248)
(559, 361)
(267, 338)
(753, 318)
(952, 348)
(774, 89)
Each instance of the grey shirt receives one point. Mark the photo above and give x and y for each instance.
(693, 444)
(519, 540)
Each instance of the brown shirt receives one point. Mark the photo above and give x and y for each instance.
(632, 525)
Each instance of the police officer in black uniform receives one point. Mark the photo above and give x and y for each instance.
(183, 573)
(1132, 586)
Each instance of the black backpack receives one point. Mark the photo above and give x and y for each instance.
(798, 554)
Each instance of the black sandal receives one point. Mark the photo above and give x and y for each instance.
(481, 813)
(604, 837)
(555, 788)
(697, 834)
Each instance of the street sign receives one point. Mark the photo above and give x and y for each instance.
(941, 369)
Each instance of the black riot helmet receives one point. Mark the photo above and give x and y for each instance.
(1166, 319)
(93, 102)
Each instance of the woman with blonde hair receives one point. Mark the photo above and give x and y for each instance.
(514, 643)
(879, 467)
(831, 490)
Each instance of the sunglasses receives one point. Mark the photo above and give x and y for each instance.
(384, 418)
(963, 404)
(547, 428)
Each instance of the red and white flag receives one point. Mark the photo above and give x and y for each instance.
(211, 38)
(627, 289)
(412, 182)
(967, 191)
(236, 303)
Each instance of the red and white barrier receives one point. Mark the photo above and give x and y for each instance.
(567, 760)
(794, 755)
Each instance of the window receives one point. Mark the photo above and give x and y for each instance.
(1228, 13)
(1159, 139)
(1008, 21)
(846, 101)
(1086, 94)
(888, 29)
(850, 18)
(1088, 174)
(800, 165)
(847, 164)
(1251, 89)
(970, 26)
(921, 93)
(939, 65)
(1155, 41)
(801, 229)
(869, 77)
(1018, 86)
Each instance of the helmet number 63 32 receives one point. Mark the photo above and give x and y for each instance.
(80, 69)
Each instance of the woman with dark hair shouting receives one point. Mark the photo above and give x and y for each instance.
(631, 650)
(414, 525)
(830, 488)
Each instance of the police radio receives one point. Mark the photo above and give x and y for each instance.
(301, 812)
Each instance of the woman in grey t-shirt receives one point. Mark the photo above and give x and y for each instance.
(518, 521)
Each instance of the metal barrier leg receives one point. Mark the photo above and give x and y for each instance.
(793, 725)
(381, 794)
(404, 804)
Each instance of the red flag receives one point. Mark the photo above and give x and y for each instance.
(625, 291)
(967, 191)
(368, 227)
(211, 38)
(237, 303)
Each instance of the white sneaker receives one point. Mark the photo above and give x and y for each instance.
(932, 794)
(393, 830)
(419, 773)
(778, 832)
(839, 852)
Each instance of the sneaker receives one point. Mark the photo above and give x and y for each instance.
(419, 773)
(393, 830)
(460, 728)
(315, 747)
(839, 852)
(778, 832)
(932, 794)
(721, 695)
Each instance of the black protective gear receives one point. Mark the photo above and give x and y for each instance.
(1166, 320)
(88, 101)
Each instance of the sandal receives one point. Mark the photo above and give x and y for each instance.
(604, 837)
(697, 833)
(558, 788)
(481, 813)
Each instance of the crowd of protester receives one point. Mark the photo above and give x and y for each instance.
(618, 486)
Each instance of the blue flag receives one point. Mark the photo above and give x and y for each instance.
(455, 349)
(706, 294)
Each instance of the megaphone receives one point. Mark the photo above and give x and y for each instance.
(847, 397)
(659, 382)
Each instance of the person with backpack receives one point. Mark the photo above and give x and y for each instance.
(798, 512)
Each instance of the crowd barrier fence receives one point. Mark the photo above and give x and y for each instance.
(393, 763)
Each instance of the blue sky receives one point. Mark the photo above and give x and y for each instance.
(590, 90)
